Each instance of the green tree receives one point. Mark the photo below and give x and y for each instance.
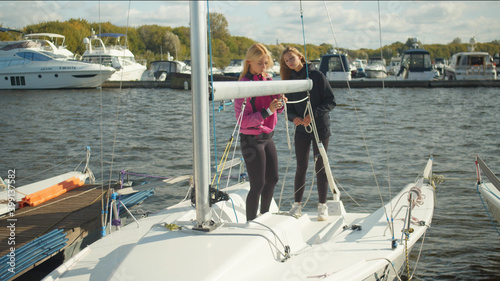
(172, 44)
(219, 27)
(457, 40)
(220, 51)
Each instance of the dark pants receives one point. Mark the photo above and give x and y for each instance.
(261, 161)
(302, 148)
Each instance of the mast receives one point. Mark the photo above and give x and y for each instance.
(199, 91)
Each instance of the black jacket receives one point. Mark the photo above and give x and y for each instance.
(322, 102)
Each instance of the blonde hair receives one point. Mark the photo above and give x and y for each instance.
(255, 52)
(285, 71)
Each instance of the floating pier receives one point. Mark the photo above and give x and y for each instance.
(54, 230)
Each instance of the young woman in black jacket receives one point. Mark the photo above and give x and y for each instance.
(294, 66)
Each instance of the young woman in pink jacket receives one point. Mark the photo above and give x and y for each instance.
(256, 133)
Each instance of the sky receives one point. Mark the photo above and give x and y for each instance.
(345, 24)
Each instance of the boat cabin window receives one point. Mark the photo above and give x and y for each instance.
(104, 60)
(417, 61)
(33, 56)
(476, 60)
(420, 61)
(335, 64)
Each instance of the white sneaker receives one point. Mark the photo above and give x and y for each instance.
(322, 212)
(296, 210)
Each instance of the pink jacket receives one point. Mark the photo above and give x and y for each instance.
(253, 122)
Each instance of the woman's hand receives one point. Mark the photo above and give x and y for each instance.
(275, 105)
(307, 120)
(297, 121)
(284, 98)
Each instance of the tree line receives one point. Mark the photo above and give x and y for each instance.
(154, 42)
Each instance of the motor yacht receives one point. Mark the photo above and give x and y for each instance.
(25, 65)
(112, 53)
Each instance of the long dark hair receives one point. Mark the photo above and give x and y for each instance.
(284, 69)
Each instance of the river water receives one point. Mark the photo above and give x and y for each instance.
(148, 131)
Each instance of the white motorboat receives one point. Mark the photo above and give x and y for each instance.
(113, 55)
(440, 64)
(335, 67)
(52, 42)
(359, 67)
(471, 65)
(234, 68)
(163, 70)
(416, 64)
(376, 68)
(488, 191)
(394, 65)
(208, 237)
(24, 65)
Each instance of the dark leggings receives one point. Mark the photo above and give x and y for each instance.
(302, 148)
(261, 161)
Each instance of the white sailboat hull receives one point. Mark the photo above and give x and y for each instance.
(253, 250)
(491, 196)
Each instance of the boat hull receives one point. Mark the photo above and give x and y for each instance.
(375, 73)
(491, 196)
(67, 75)
(131, 73)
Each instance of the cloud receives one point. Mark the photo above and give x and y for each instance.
(355, 23)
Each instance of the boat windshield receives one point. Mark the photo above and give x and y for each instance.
(34, 56)
(474, 60)
(336, 64)
(236, 63)
(417, 61)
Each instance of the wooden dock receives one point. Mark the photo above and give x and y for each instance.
(77, 212)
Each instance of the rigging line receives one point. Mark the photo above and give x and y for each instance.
(357, 115)
(48, 169)
(385, 118)
(218, 170)
(286, 170)
(116, 125)
(126, 40)
(236, 132)
(385, 127)
(228, 146)
(304, 37)
(335, 44)
(418, 257)
(103, 211)
(212, 89)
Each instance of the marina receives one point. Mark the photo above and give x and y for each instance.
(453, 118)
(421, 136)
